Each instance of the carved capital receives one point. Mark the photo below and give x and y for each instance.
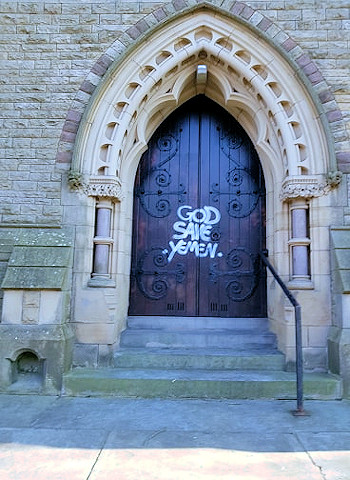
(105, 187)
(305, 186)
(98, 186)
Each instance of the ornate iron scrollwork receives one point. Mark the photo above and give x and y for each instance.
(154, 199)
(155, 202)
(243, 194)
(230, 140)
(153, 272)
(243, 190)
(169, 146)
(242, 274)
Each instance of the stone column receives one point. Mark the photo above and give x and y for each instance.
(103, 239)
(300, 241)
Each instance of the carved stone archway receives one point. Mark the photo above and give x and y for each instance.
(239, 67)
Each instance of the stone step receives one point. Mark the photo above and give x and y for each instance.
(196, 323)
(204, 359)
(147, 383)
(197, 339)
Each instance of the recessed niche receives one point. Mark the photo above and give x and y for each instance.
(244, 56)
(203, 34)
(188, 60)
(216, 60)
(104, 153)
(225, 44)
(261, 100)
(232, 71)
(302, 152)
(144, 100)
(287, 108)
(156, 85)
(272, 118)
(162, 57)
(27, 372)
(110, 129)
(279, 136)
(102, 171)
(172, 71)
(131, 89)
(182, 43)
(260, 70)
(296, 129)
(119, 109)
(275, 88)
(284, 158)
(247, 84)
(146, 71)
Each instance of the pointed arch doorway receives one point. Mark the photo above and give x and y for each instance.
(199, 219)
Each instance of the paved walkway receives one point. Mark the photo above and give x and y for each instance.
(134, 439)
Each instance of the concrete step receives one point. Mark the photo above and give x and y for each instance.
(196, 323)
(204, 359)
(147, 383)
(197, 338)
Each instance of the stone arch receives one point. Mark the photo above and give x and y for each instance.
(275, 92)
(239, 12)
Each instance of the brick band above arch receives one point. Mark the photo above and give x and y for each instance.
(240, 12)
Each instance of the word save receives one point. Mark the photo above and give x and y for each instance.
(192, 232)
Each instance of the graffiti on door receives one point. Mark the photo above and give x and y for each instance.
(193, 232)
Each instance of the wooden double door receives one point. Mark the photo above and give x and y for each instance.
(199, 219)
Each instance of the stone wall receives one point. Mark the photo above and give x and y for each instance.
(48, 48)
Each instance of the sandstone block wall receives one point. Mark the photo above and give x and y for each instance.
(48, 48)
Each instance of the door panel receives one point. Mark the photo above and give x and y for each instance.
(199, 219)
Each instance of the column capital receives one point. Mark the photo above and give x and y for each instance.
(96, 186)
(308, 186)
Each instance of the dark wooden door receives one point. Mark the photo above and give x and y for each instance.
(199, 219)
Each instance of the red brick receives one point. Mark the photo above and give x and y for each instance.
(87, 87)
(237, 8)
(310, 68)
(315, 78)
(133, 32)
(289, 44)
(247, 12)
(334, 116)
(74, 116)
(343, 157)
(68, 137)
(303, 60)
(264, 24)
(326, 96)
(159, 14)
(64, 157)
(179, 4)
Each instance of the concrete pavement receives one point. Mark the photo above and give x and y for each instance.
(151, 439)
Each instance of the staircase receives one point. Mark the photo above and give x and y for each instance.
(192, 357)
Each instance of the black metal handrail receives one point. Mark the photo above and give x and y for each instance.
(298, 336)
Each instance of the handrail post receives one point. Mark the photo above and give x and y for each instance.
(298, 336)
(299, 361)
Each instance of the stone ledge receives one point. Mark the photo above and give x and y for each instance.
(40, 260)
(34, 278)
(40, 256)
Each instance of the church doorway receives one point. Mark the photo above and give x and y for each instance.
(199, 219)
